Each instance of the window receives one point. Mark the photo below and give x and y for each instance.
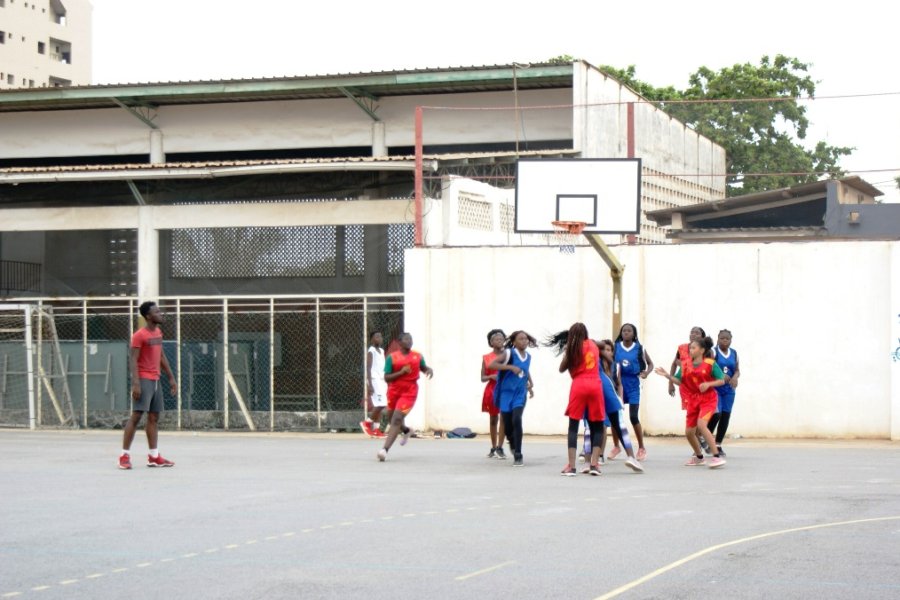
(42, 48)
(2, 37)
(31, 83)
(11, 79)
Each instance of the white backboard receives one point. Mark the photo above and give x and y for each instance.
(605, 193)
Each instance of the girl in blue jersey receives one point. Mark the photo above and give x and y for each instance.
(634, 364)
(614, 411)
(727, 359)
(514, 383)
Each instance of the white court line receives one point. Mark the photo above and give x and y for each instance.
(41, 588)
(483, 571)
(68, 582)
(95, 575)
(633, 584)
(11, 594)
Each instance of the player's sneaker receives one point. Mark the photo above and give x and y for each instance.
(159, 461)
(595, 470)
(642, 454)
(721, 452)
(715, 462)
(634, 465)
(500, 453)
(492, 453)
(378, 433)
(125, 462)
(694, 461)
(614, 452)
(518, 461)
(366, 428)
(569, 471)
(382, 454)
(586, 469)
(404, 437)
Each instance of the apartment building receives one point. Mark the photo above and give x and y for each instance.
(45, 43)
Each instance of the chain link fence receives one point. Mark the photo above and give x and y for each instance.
(274, 363)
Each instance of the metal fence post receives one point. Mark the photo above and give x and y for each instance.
(29, 362)
(40, 358)
(225, 359)
(365, 358)
(178, 377)
(318, 368)
(84, 361)
(271, 364)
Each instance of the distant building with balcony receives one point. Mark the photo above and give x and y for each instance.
(45, 43)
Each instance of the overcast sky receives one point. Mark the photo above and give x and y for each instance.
(853, 49)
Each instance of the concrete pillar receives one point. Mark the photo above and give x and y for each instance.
(895, 340)
(157, 152)
(379, 141)
(147, 255)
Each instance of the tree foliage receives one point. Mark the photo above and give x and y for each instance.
(761, 137)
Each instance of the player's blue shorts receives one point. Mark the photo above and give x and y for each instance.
(726, 398)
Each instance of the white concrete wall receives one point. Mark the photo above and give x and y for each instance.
(282, 124)
(815, 362)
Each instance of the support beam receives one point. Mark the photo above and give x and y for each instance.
(281, 214)
(145, 119)
(136, 193)
(616, 270)
(362, 105)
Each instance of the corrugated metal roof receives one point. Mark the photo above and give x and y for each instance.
(371, 84)
(168, 166)
(663, 216)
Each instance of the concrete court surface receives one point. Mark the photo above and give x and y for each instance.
(316, 516)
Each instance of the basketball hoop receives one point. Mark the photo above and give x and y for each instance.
(565, 235)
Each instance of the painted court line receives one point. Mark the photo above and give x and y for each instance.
(68, 582)
(11, 594)
(633, 584)
(95, 575)
(487, 570)
(41, 588)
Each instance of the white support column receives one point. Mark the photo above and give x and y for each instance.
(148, 255)
(379, 141)
(157, 151)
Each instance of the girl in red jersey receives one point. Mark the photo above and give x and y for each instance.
(698, 377)
(496, 339)
(681, 355)
(401, 372)
(581, 358)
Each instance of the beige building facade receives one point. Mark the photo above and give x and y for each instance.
(45, 43)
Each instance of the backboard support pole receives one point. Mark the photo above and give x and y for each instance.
(616, 270)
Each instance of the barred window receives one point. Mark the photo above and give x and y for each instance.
(234, 252)
(474, 212)
(400, 237)
(354, 250)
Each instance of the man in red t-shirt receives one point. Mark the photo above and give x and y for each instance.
(401, 372)
(146, 359)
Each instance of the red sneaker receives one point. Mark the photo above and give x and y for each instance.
(159, 461)
(125, 462)
(378, 433)
(366, 427)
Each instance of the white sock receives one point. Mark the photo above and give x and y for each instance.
(154, 452)
(126, 453)
(376, 426)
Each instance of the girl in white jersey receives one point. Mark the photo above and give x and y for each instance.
(376, 388)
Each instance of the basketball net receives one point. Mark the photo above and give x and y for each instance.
(565, 235)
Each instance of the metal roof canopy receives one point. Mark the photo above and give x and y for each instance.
(752, 202)
(367, 85)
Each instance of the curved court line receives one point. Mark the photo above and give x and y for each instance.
(633, 584)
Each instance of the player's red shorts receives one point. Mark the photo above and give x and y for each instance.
(487, 400)
(402, 399)
(586, 394)
(700, 406)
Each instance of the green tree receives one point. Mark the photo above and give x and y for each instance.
(761, 137)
